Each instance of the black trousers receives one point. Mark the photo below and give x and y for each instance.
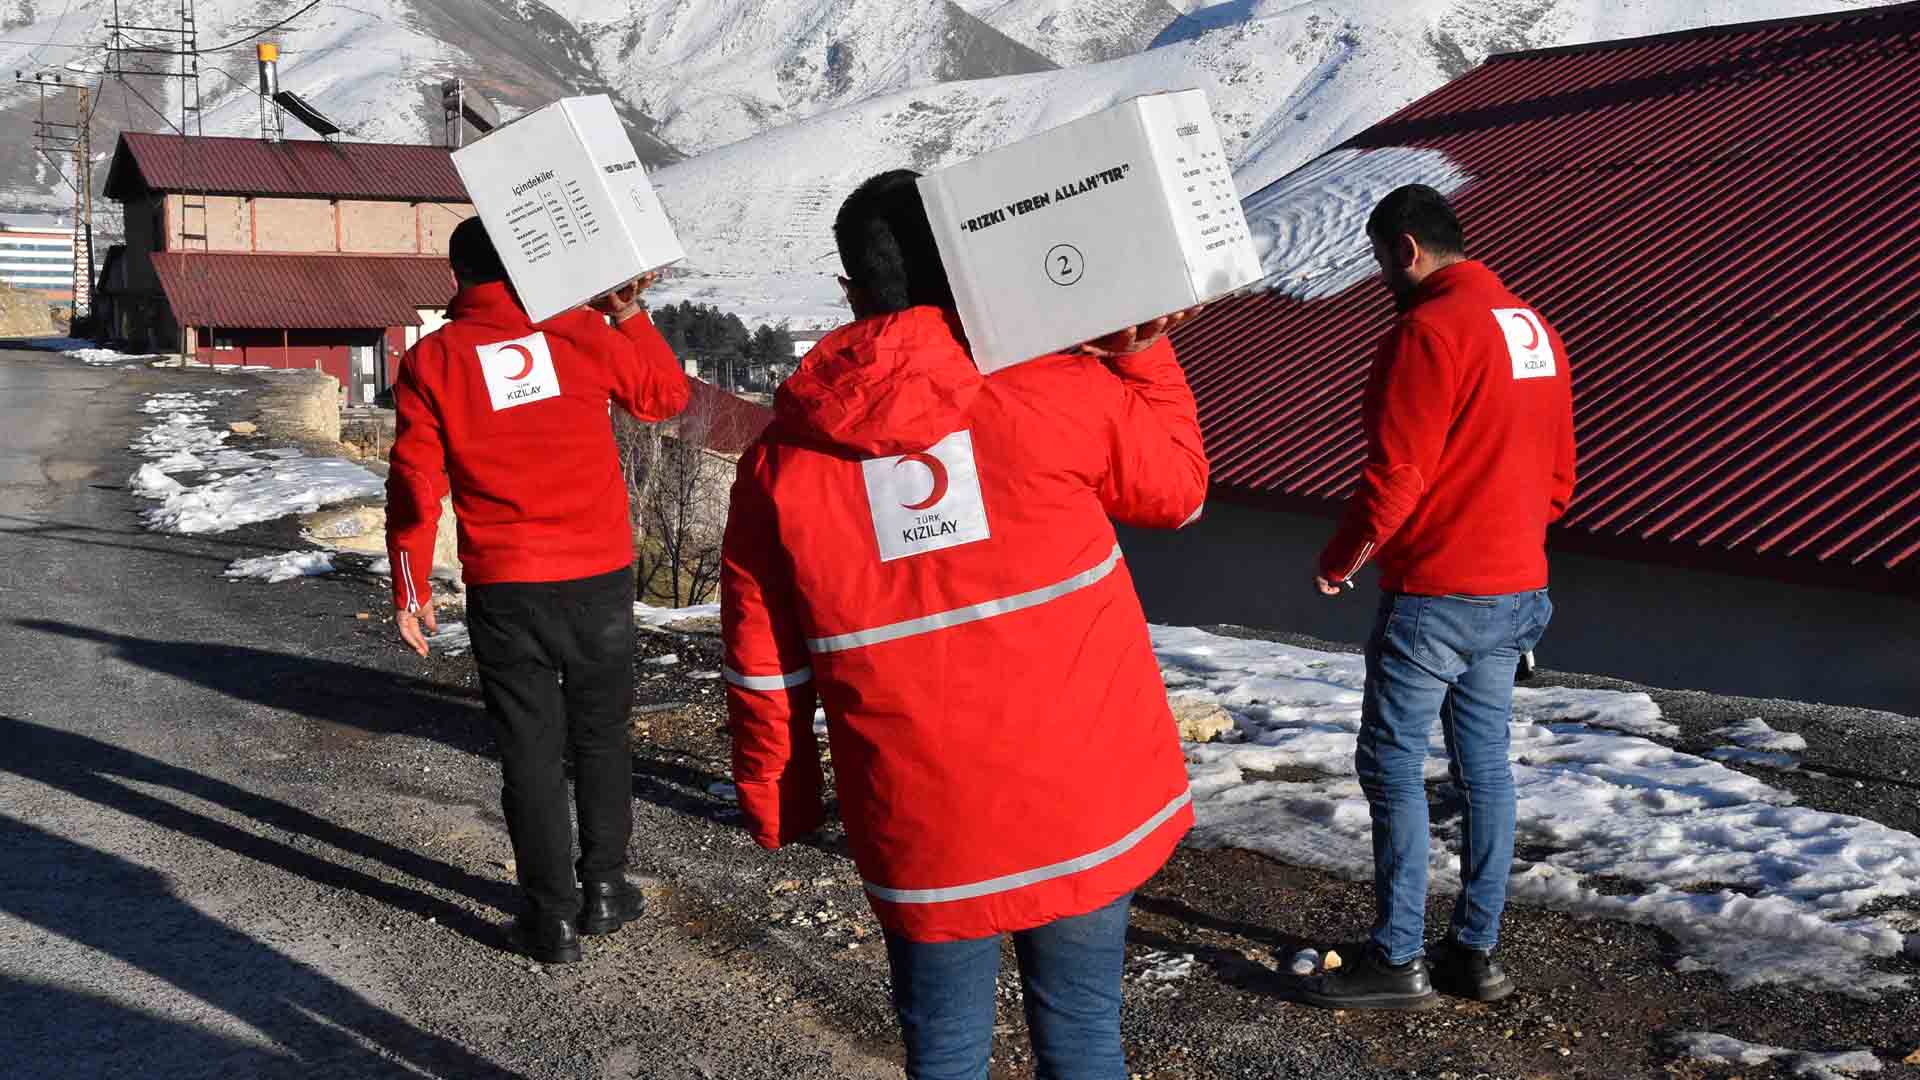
(556, 669)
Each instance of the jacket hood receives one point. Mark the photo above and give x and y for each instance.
(493, 303)
(892, 384)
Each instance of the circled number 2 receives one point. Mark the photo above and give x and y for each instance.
(1065, 265)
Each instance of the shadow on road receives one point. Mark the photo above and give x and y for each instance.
(129, 912)
(105, 775)
(375, 701)
(38, 530)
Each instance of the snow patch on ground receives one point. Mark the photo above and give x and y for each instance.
(452, 639)
(1311, 228)
(263, 485)
(150, 481)
(1751, 887)
(661, 618)
(1712, 1048)
(1755, 734)
(273, 569)
(291, 486)
(98, 357)
(1758, 746)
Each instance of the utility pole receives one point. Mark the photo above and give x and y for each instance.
(54, 138)
(189, 72)
(83, 212)
(120, 47)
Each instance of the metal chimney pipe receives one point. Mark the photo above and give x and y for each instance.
(271, 128)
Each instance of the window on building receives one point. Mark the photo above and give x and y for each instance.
(224, 339)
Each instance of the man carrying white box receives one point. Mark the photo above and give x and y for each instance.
(929, 553)
(510, 416)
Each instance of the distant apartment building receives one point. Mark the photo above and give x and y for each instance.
(36, 254)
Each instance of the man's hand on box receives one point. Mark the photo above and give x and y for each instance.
(623, 303)
(1136, 338)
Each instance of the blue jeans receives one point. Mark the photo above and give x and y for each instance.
(1070, 971)
(1449, 659)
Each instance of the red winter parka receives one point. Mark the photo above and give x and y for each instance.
(513, 418)
(930, 554)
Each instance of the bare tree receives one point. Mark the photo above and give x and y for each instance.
(678, 493)
(638, 444)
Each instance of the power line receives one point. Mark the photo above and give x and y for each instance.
(264, 31)
(45, 45)
(127, 87)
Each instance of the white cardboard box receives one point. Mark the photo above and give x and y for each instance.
(1112, 220)
(568, 204)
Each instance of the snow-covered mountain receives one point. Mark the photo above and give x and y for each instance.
(1070, 32)
(372, 68)
(1287, 80)
(787, 104)
(715, 73)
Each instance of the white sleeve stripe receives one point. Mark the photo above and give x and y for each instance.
(768, 682)
(1366, 552)
(1195, 516)
(406, 572)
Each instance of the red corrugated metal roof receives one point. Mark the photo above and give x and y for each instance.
(1722, 224)
(302, 168)
(724, 423)
(301, 292)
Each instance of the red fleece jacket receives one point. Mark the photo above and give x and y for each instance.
(513, 419)
(1469, 425)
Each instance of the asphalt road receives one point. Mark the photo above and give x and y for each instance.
(244, 835)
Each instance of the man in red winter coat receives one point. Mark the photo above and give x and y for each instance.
(931, 556)
(512, 418)
(1469, 424)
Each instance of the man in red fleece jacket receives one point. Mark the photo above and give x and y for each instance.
(1469, 424)
(513, 419)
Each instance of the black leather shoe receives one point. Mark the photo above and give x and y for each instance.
(1467, 972)
(546, 939)
(608, 905)
(1368, 982)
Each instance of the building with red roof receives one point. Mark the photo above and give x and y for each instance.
(297, 253)
(1723, 223)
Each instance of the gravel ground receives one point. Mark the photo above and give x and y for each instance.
(247, 836)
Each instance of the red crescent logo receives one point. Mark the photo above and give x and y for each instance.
(522, 350)
(1532, 328)
(939, 472)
